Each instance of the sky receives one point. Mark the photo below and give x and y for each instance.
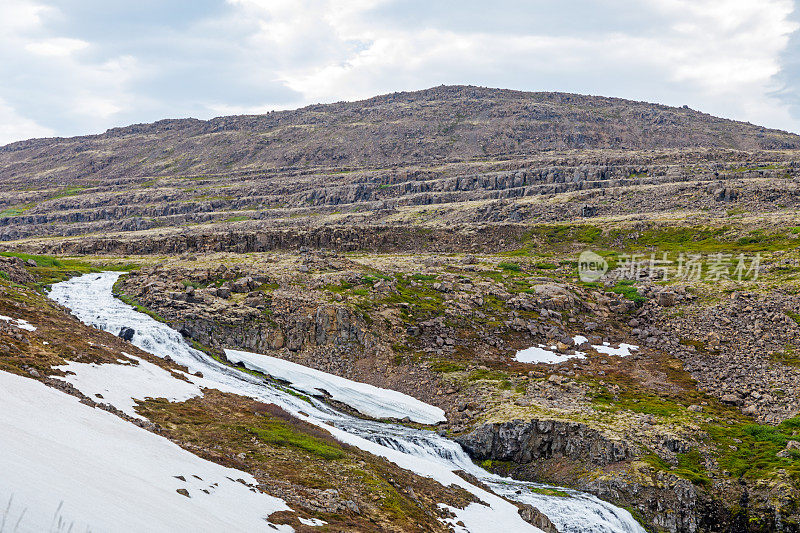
(75, 67)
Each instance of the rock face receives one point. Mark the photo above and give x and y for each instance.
(524, 442)
(533, 450)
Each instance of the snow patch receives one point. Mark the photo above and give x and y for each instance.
(95, 471)
(478, 517)
(624, 350)
(312, 521)
(19, 323)
(540, 354)
(120, 384)
(366, 399)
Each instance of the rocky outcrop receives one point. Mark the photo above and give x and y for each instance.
(525, 442)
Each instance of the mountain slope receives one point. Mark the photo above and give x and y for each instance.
(441, 123)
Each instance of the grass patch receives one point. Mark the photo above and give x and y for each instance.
(637, 402)
(626, 289)
(16, 211)
(690, 466)
(788, 357)
(276, 432)
(750, 450)
(509, 267)
(49, 269)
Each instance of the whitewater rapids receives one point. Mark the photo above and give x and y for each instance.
(90, 298)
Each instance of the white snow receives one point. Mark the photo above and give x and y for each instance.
(119, 384)
(62, 460)
(312, 521)
(366, 399)
(18, 322)
(624, 350)
(540, 354)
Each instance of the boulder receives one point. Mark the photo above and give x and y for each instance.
(666, 299)
(127, 333)
(534, 516)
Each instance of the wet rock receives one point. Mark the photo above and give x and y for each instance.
(127, 333)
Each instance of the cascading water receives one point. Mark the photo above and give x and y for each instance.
(90, 298)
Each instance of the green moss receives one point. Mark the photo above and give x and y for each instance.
(637, 402)
(116, 290)
(68, 191)
(341, 288)
(280, 434)
(690, 466)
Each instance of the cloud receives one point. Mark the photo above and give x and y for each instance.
(723, 57)
(57, 47)
(14, 127)
(68, 70)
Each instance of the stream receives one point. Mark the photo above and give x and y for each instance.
(90, 298)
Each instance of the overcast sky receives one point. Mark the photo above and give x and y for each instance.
(71, 67)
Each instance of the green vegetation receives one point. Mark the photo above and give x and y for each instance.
(691, 467)
(273, 431)
(117, 292)
(16, 211)
(446, 367)
(750, 450)
(547, 491)
(637, 401)
(49, 269)
(788, 357)
(510, 267)
(688, 239)
(68, 191)
(625, 288)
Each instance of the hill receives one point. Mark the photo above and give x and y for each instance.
(446, 123)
